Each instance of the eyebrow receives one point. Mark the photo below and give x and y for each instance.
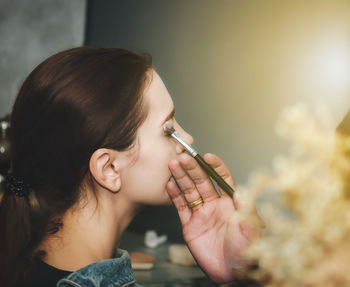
(171, 115)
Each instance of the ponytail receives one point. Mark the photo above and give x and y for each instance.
(17, 243)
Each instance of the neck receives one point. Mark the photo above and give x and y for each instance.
(90, 232)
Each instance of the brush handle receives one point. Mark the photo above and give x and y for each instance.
(213, 174)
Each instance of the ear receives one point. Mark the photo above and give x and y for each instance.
(105, 170)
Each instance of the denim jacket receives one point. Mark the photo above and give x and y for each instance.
(114, 272)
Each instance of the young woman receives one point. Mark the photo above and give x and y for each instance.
(88, 150)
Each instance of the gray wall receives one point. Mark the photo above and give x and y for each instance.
(30, 31)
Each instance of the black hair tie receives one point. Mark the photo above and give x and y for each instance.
(16, 186)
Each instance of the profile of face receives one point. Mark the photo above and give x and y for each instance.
(144, 177)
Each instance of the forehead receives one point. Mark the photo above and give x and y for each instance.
(157, 98)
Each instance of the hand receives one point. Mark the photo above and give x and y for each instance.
(214, 231)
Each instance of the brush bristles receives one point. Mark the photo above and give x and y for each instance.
(168, 129)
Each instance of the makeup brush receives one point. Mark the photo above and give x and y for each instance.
(170, 131)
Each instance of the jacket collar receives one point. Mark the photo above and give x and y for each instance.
(116, 272)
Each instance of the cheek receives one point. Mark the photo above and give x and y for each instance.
(149, 175)
(155, 161)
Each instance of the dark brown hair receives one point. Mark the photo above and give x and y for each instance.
(73, 103)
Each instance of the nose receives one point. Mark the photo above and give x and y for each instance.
(187, 137)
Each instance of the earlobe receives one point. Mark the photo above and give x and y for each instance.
(105, 169)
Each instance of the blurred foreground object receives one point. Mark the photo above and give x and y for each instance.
(305, 204)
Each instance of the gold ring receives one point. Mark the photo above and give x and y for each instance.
(195, 203)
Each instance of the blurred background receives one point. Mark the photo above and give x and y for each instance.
(231, 66)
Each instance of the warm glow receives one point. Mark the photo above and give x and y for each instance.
(330, 67)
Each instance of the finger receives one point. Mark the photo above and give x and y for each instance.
(220, 167)
(180, 203)
(185, 183)
(201, 180)
(222, 170)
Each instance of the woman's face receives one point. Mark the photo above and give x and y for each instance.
(144, 179)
